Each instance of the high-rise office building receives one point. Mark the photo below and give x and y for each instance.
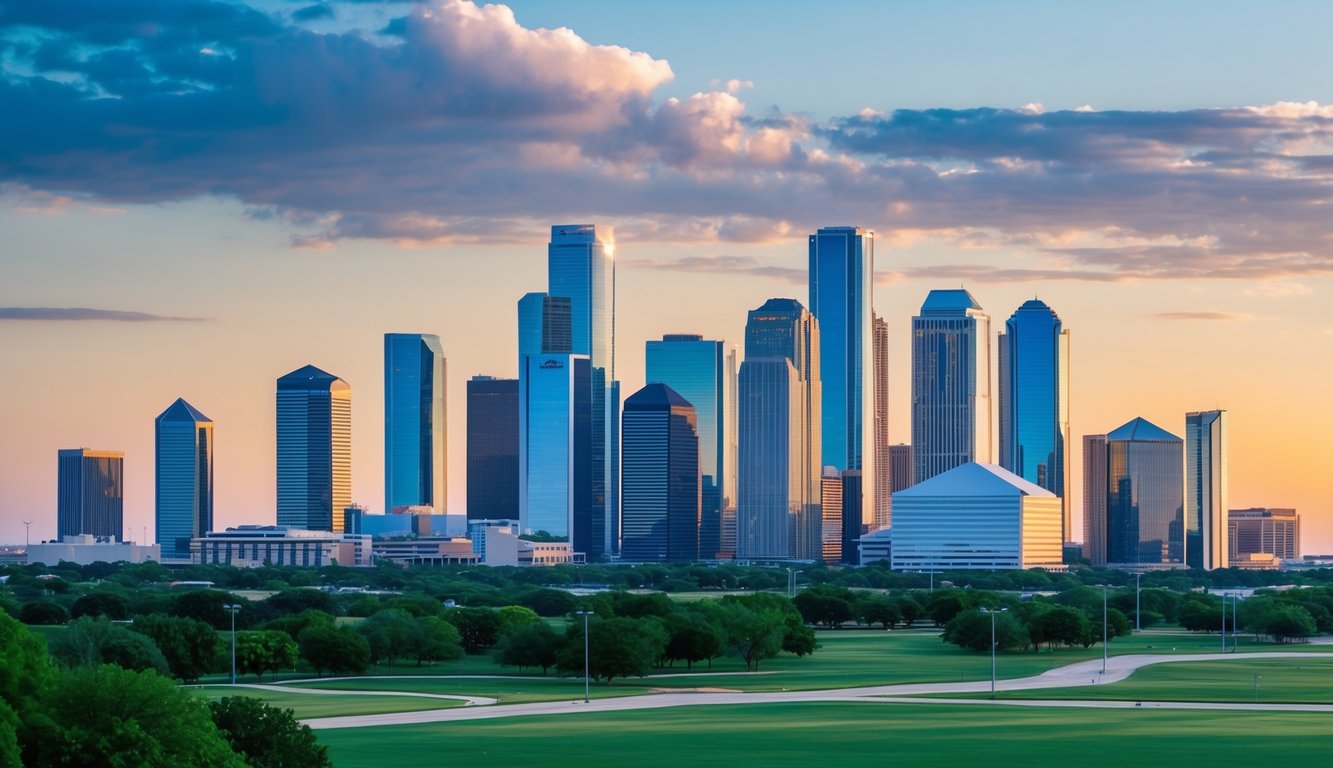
(901, 467)
(544, 325)
(696, 370)
(555, 479)
(853, 526)
(492, 448)
(1206, 508)
(661, 490)
(842, 276)
(778, 469)
(314, 415)
(830, 498)
(1094, 499)
(90, 496)
(730, 443)
(883, 462)
(1263, 531)
(1145, 515)
(581, 267)
(183, 503)
(414, 422)
(1034, 400)
(951, 384)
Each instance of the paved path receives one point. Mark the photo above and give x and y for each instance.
(468, 700)
(1082, 673)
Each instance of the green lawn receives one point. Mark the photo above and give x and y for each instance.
(328, 705)
(804, 735)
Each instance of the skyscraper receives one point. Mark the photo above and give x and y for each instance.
(314, 411)
(1263, 531)
(883, 463)
(778, 470)
(90, 496)
(184, 477)
(730, 446)
(1144, 497)
(555, 479)
(661, 498)
(1206, 508)
(544, 325)
(1094, 499)
(414, 422)
(901, 467)
(492, 448)
(951, 384)
(696, 370)
(581, 267)
(830, 504)
(842, 275)
(852, 526)
(1034, 400)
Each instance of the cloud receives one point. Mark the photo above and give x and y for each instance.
(79, 314)
(1278, 290)
(1222, 316)
(737, 265)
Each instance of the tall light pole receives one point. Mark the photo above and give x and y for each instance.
(1235, 625)
(1104, 635)
(26, 524)
(232, 609)
(586, 668)
(1138, 591)
(1224, 623)
(992, 646)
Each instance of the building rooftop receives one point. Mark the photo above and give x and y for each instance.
(183, 411)
(952, 300)
(655, 396)
(974, 479)
(309, 377)
(1142, 430)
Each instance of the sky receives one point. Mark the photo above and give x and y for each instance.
(197, 197)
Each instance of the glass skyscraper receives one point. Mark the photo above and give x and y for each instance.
(1206, 526)
(314, 415)
(492, 448)
(883, 462)
(90, 496)
(1094, 499)
(555, 476)
(184, 477)
(842, 274)
(778, 471)
(951, 384)
(1144, 497)
(581, 267)
(696, 370)
(661, 498)
(414, 422)
(1034, 400)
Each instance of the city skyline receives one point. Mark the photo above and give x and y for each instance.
(1213, 272)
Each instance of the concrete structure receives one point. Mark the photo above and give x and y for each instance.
(90, 493)
(876, 546)
(951, 384)
(415, 451)
(85, 549)
(183, 462)
(1206, 495)
(1094, 499)
(976, 517)
(660, 483)
(492, 448)
(1263, 531)
(427, 551)
(883, 456)
(314, 428)
(1145, 504)
(251, 546)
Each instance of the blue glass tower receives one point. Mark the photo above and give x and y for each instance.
(842, 273)
(1145, 517)
(91, 493)
(183, 441)
(1207, 543)
(951, 389)
(555, 476)
(661, 499)
(1034, 400)
(314, 411)
(695, 369)
(581, 267)
(414, 422)
(492, 448)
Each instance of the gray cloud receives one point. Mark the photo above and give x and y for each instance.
(76, 314)
(1223, 316)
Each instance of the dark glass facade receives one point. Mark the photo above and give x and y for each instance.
(1144, 497)
(951, 386)
(183, 503)
(492, 449)
(90, 497)
(661, 492)
(414, 422)
(314, 415)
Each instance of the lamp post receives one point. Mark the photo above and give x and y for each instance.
(26, 525)
(1235, 625)
(232, 609)
(1138, 591)
(586, 668)
(1104, 634)
(992, 646)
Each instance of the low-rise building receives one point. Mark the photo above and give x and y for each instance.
(427, 551)
(250, 546)
(1264, 531)
(86, 549)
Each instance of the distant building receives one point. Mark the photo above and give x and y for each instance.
(976, 517)
(951, 384)
(414, 422)
(883, 460)
(555, 476)
(831, 506)
(314, 450)
(430, 551)
(1206, 505)
(853, 522)
(660, 484)
(876, 546)
(492, 448)
(85, 549)
(183, 455)
(90, 493)
(900, 467)
(1145, 515)
(252, 546)
(1094, 499)
(1264, 531)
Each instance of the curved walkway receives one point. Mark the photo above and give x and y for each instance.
(467, 700)
(1118, 668)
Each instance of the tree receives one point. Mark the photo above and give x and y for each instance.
(1198, 617)
(944, 604)
(478, 628)
(872, 608)
(43, 614)
(691, 639)
(618, 647)
(294, 601)
(116, 718)
(105, 604)
(531, 645)
(1059, 625)
(266, 736)
(436, 640)
(190, 647)
(753, 635)
(1285, 622)
(825, 605)
(972, 630)
(25, 672)
(206, 605)
(390, 633)
(339, 650)
(514, 616)
(92, 642)
(294, 625)
(261, 651)
(549, 602)
(797, 638)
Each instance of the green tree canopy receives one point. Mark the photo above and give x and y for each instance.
(92, 642)
(266, 736)
(191, 648)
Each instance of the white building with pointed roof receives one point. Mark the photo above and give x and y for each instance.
(976, 517)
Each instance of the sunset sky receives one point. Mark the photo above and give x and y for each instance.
(198, 197)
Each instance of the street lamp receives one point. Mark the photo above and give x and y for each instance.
(585, 615)
(232, 609)
(1138, 591)
(1104, 634)
(992, 646)
(1235, 626)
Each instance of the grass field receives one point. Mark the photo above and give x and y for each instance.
(803, 735)
(307, 706)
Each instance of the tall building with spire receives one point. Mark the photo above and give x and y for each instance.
(414, 422)
(183, 474)
(951, 384)
(1034, 400)
(314, 420)
(581, 267)
(778, 470)
(842, 276)
(1206, 525)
